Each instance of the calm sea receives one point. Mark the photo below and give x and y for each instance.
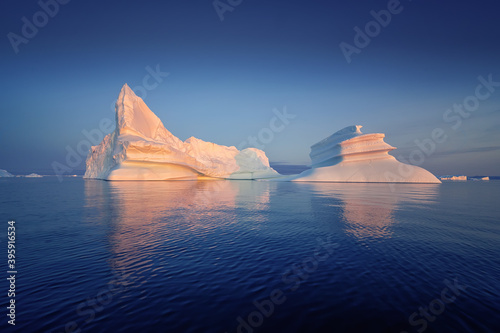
(248, 256)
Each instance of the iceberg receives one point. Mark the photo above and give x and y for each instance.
(351, 156)
(455, 177)
(141, 148)
(33, 175)
(5, 173)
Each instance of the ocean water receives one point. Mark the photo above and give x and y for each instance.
(248, 256)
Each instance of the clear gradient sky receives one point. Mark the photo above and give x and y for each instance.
(227, 76)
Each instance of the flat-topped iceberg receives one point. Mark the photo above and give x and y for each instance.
(351, 156)
(141, 148)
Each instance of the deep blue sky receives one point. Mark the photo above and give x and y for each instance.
(226, 77)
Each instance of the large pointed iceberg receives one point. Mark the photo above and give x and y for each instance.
(351, 156)
(141, 148)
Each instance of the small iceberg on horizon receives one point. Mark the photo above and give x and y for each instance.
(460, 178)
(486, 178)
(33, 175)
(5, 173)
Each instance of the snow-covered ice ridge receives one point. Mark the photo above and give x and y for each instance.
(141, 148)
(351, 156)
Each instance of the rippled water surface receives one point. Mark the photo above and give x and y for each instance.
(247, 256)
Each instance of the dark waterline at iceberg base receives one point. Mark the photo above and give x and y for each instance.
(223, 256)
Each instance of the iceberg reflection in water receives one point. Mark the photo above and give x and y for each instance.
(169, 218)
(173, 215)
(368, 208)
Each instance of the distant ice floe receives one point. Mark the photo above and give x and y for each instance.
(33, 175)
(455, 177)
(463, 178)
(480, 178)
